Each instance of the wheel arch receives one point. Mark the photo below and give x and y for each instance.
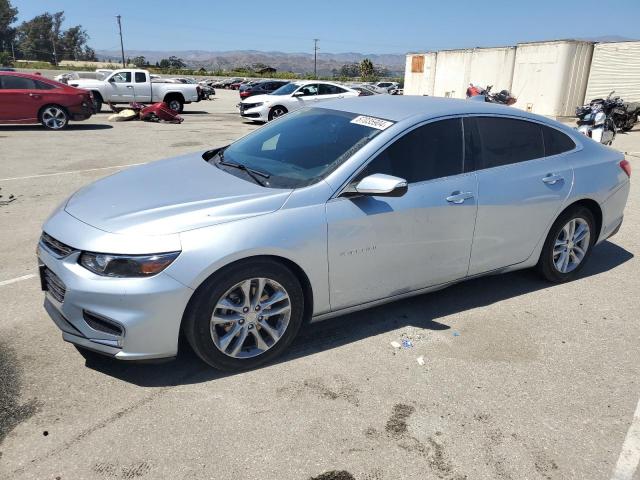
(593, 206)
(299, 273)
(169, 95)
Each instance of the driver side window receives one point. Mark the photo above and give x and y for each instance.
(121, 77)
(309, 90)
(431, 151)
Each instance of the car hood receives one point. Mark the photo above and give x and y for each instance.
(259, 98)
(171, 196)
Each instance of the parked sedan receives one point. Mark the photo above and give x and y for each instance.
(290, 97)
(262, 88)
(29, 98)
(330, 209)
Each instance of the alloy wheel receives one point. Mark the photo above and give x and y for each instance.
(277, 112)
(250, 318)
(571, 245)
(54, 118)
(174, 105)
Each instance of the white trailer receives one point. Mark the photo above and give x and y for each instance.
(419, 73)
(550, 78)
(615, 66)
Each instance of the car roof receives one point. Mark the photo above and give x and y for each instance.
(402, 107)
(34, 77)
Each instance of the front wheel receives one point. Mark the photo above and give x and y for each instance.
(276, 112)
(54, 117)
(568, 245)
(245, 315)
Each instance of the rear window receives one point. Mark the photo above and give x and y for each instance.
(556, 142)
(504, 141)
(10, 82)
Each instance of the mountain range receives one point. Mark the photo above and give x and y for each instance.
(281, 61)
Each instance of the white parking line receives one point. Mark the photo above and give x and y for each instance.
(69, 173)
(17, 279)
(630, 455)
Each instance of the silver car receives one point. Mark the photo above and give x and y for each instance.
(325, 211)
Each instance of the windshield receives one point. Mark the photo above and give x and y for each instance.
(286, 89)
(300, 149)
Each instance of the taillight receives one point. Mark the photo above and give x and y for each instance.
(626, 166)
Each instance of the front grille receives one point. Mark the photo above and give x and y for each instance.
(57, 248)
(54, 285)
(101, 324)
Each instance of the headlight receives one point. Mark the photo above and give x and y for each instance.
(109, 265)
(254, 105)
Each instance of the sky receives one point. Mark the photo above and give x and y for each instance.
(371, 26)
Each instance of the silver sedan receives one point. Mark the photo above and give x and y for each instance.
(324, 211)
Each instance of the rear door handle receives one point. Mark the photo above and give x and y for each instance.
(552, 179)
(34, 95)
(458, 197)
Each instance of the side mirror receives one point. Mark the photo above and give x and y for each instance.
(298, 94)
(380, 185)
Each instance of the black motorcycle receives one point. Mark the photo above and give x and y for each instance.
(623, 115)
(503, 97)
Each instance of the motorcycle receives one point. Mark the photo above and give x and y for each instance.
(595, 120)
(503, 97)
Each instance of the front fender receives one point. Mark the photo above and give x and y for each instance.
(296, 234)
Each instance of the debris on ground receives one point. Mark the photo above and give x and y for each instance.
(7, 200)
(456, 334)
(395, 344)
(334, 475)
(406, 343)
(420, 360)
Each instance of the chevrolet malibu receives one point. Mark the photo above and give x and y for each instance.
(325, 211)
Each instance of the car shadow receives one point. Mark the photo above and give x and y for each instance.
(193, 112)
(70, 127)
(423, 311)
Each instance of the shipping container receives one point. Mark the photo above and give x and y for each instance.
(419, 73)
(492, 66)
(615, 66)
(452, 73)
(550, 78)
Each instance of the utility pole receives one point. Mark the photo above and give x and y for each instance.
(315, 58)
(55, 55)
(121, 43)
(13, 52)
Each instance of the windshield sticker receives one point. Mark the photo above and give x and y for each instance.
(372, 122)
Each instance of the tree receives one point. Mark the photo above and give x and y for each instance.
(74, 45)
(164, 63)
(140, 61)
(350, 70)
(35, 38)
(8, 15)
(366, 69)
(175, 62)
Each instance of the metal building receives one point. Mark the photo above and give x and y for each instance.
(615, 66)
(419, 73)
(550, 78)
(492, 66)
(452, 73)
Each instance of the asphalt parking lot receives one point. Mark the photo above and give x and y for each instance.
(521, 379)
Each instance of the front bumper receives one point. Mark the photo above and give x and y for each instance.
(260, 113)
(145, 313)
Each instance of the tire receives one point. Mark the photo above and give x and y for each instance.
(54, 117)
(175, 104)
(277, 111)
(216, 343)
(552, 255)
(97, 102)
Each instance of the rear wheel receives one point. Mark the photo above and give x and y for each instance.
(568, 245)
(276, 112)
(245, 316)
(175, 104)
(54, 117)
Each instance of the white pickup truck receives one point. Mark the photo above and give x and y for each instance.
(132, 85)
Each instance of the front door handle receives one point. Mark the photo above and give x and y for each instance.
(552, 179)
(34, 95)
(458, 197)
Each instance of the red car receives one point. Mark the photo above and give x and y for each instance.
(26, 98)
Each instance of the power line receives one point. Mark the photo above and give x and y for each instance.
(121, 43)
